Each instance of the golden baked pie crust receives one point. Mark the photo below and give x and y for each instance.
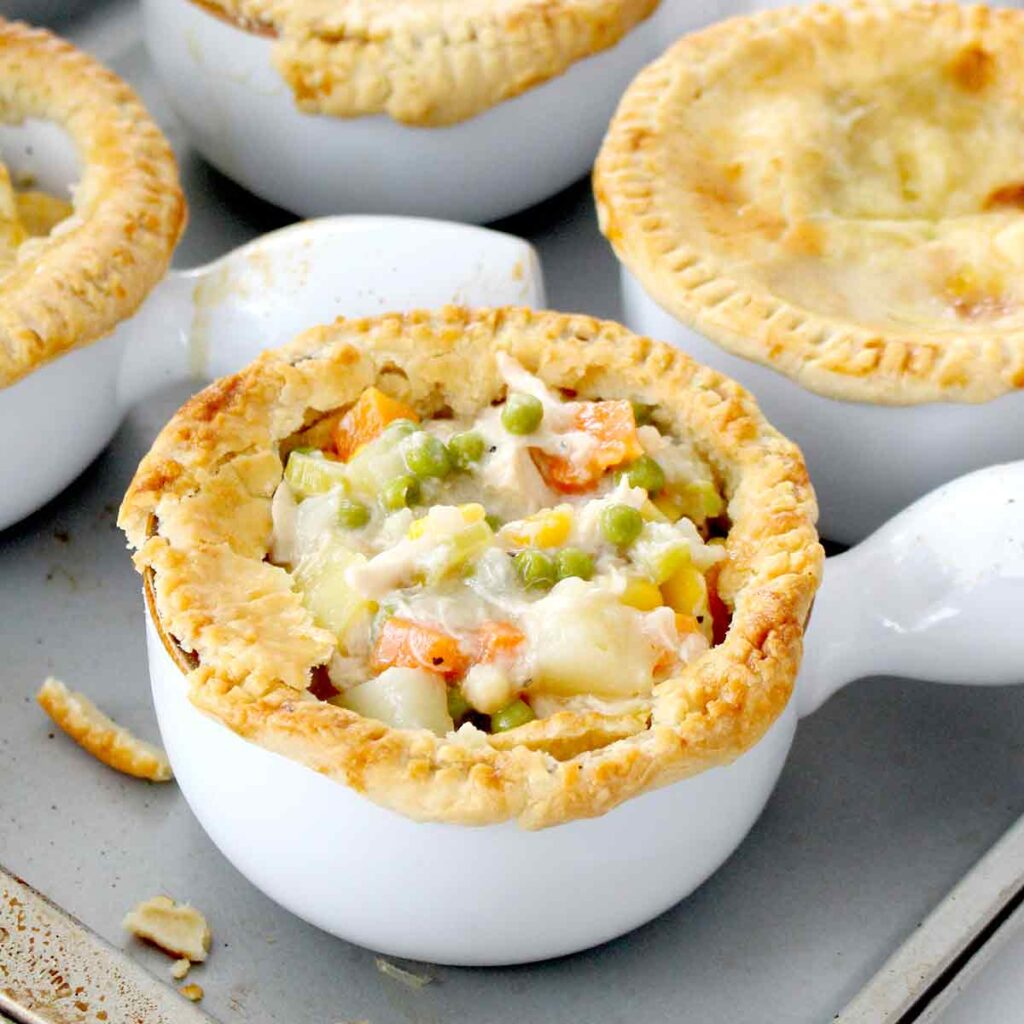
(129, 211)
(217, 463)
(663, 227)
(431, 62)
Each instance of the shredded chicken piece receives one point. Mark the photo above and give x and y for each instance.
(180, 968)
(102, 737)
(178, 929)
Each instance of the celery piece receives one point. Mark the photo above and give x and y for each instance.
(309, 473)
(376, 464)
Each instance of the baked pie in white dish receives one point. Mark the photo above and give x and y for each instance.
(388, 599)
(518, 597)
(826, 202)
(469, 111)
(90, 212)
(475, 598)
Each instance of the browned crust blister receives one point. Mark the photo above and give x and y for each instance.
(255, 656)
(657, 221)
(129, 211)
(428, 63)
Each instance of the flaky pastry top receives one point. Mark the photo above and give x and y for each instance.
(428, 62)
(835, 192)
(198, 514)
(75, 285)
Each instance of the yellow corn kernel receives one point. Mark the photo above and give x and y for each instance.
(471, 513)
(641, 594)
(549, 528)
(686, 591)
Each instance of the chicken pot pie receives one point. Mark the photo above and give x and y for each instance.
(837, 193)
(528, 591)
(427, 62)
(71, 268)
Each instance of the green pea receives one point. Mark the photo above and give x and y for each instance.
(573, 562)
(522, 413)
(458, 706)
(466, 448)
(401, 428)
(493, 521)
(642, 413)
(536, 570)
(426, 456)
(512, 716)
(646, 473)
(352, 515)
(399, 493)
(621, 524)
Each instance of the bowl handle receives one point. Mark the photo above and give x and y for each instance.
(936, 593)
(157, 342)
(206, 323)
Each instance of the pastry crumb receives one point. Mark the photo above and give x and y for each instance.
(102, 737)
(177, 928)
(192, 991)
(401, 974)
(180, 968)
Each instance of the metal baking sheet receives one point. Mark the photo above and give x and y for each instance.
(892, 792)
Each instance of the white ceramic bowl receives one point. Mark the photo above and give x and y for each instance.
(866, 461)
(242, 117)
(927, 596)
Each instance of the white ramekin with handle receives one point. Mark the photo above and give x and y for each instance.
(927, 596)
(203, 323)
(241, 115)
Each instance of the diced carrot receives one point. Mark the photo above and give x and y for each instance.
(407, 644)
(613, 426)
(497, 640)
(366, 419)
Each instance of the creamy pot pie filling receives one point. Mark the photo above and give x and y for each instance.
(25, 214)
(548, 554)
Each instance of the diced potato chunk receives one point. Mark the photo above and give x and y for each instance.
(404, 698)
(488, 688)
(334, 603)
(585, 641)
